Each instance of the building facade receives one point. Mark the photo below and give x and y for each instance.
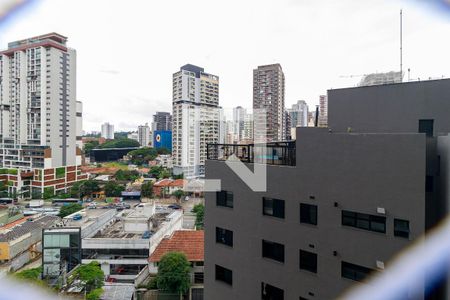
(342, 206)
(107, 131)
(195, 118)
(38, 115)
(299, 114)
(268, 94)
(323, 111)
(144, 135)
(162, 121)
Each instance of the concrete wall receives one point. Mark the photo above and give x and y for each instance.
(391, 108)
(360, 172)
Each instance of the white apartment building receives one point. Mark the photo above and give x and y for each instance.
(299, 114)
(108, 131)
(133, 136)
(195, 118)
(238, 122)
(38, 115)
(144, 135)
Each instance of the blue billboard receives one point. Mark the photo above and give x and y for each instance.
(162, 139)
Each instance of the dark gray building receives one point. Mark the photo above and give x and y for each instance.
(162, 121)
(340, 206)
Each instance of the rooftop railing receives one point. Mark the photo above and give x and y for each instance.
(273, 153)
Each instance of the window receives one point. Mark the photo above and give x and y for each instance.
(198, 277)
(224, 198)
(273, 250)
(426, 126)
(308, 261)
(364, 221)
(401, 228)
(429, 184)
(273, 207)
(354, 272)
(224, 275)
(224, 236)
(308, 213)
(270, 292)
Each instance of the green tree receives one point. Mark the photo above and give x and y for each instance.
(119, 143)
(88, 146)
(173, 273)
(121, 135)
(31, 275)
(147, 190)
(92, 275)
(84, 188)
(164, 174)
(69, 209)
(179, 176)
(49, 192)
(94, 294)
(155, 171)
(126, 175)
(142, 155)
(163, 151)
(113, 189)
(199, 211)
(178, 194)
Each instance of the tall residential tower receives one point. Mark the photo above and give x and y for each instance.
(195, 118)
(268, 94)
(38, 115)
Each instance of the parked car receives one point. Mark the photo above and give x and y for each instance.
(147, 234)
(174, 206)
(77, 217)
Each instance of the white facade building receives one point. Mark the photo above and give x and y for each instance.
(144, 135)
(195, 118)
(133, 136)
(108, 131)
(238, 122)
(38, 113)
(299, 114)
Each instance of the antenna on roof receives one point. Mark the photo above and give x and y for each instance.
(401, 45)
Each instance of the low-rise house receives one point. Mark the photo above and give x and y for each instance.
(165, 187)
(22, 242)
(189, 242)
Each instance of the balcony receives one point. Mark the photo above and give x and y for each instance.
(274, 153)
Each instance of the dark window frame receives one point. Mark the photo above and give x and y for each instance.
(363, 221)
(224, 236)
(308, 213)
(399, 231)
(224, 275)
(308, 261)
(225, 199)
(355, 272)
(426, 126)
(273, 250)
(270, 292)
(277, 207)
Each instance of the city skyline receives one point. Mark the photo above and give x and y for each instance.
(107, 83)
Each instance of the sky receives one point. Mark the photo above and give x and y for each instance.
(128, 50)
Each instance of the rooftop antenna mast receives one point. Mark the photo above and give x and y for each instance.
(401, 45)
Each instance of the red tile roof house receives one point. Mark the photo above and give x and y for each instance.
(165, 187)
(189, 242)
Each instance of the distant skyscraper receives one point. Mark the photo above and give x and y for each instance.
(162, 121)
(40, 119)
(247, 132)
(323, 111)
(144, 135)
(299, 114)
(268, 94)
(195, 118)
(107, 131)
(238, 122)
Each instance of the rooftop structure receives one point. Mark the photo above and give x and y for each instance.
(381, 78)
